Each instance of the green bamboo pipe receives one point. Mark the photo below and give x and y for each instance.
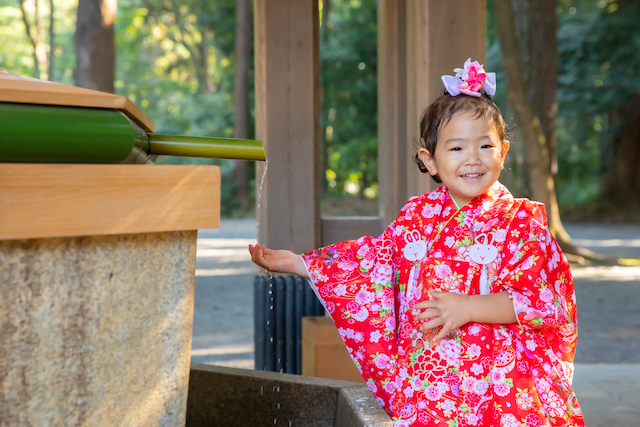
(52, 134)
(193, 146)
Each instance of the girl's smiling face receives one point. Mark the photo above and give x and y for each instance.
(469, 156)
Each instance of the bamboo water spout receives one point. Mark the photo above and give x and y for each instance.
(55, 134)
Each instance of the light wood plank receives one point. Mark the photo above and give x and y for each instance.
(26, 90)
(39, 201)
(287, 122)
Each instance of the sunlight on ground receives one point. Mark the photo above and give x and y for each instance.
(614, 273)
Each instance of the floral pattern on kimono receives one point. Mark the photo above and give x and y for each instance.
(481, 374)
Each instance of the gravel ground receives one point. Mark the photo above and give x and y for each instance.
(608, 309)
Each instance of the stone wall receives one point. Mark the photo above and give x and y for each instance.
(96, 331)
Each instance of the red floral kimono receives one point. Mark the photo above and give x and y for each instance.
(482, 374)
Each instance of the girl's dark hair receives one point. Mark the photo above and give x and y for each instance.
(438, 114)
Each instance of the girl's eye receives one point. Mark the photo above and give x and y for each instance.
(487, 146)
(456, 149)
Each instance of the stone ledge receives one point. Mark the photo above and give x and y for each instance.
(241, 397)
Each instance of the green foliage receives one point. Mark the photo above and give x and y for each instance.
(597, 43)
(348, 61)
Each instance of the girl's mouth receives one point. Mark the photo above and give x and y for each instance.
(472, 175)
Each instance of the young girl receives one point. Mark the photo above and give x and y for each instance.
(462, 313)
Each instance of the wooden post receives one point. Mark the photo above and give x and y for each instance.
(287, 122)
(393, 149)
(418, 41)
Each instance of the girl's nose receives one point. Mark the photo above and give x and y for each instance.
(472, 158)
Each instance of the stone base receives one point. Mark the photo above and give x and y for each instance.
(96, 331)
(229, 397)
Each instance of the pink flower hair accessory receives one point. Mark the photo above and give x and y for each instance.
(469, 80)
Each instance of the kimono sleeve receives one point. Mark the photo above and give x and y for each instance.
(538, 280)
(355, 280)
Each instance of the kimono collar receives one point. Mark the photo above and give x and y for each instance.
(479, 204)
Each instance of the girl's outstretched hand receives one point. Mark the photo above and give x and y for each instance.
(278, 261)
(449, 310)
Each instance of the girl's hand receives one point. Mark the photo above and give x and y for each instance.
(278, 261)
(449, 310)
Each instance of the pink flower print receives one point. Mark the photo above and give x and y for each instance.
(533, 420)
(363, 297)
(497, 376)
(472, 400)
(331, 307)
(500, 235)
(477, 369)
(553, 404)
(527, 264)
(450, 241)
(442, 271)
(428, 229)
(480, 387)
(353, 307)
(433, 393)
(475, 330)
(501, 389)
(358, 336)
(347, 262)
(375, 336)
(340, 290)
(390, 323)
(361, 316)
(443, 386)
(467, 384)
(408, 392)
(390, 387)
(381, 274)
(509, 420)
(546, 295)
(387, 299)
(451, 379)
(472, 419)
(474, 351)
(326, 291)
(450, 283)
(430, 211)
(381, 361)
(317, 276)
(524, 400)
(450, 351)
(381, 401)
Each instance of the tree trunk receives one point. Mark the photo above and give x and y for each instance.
(27, 27)
(95, 45)
(536, 32)
(535, 142)
(241, 97)
(52, 41)
(622, 175)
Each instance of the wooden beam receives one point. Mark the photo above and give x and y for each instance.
(287, 122)
(62, 200)
(418, 41)
(441, 35)
(393, 149)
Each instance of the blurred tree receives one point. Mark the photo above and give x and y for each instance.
(348, 78)
(520, 53)
(600, 96)
(95, 48)
(43, 57)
